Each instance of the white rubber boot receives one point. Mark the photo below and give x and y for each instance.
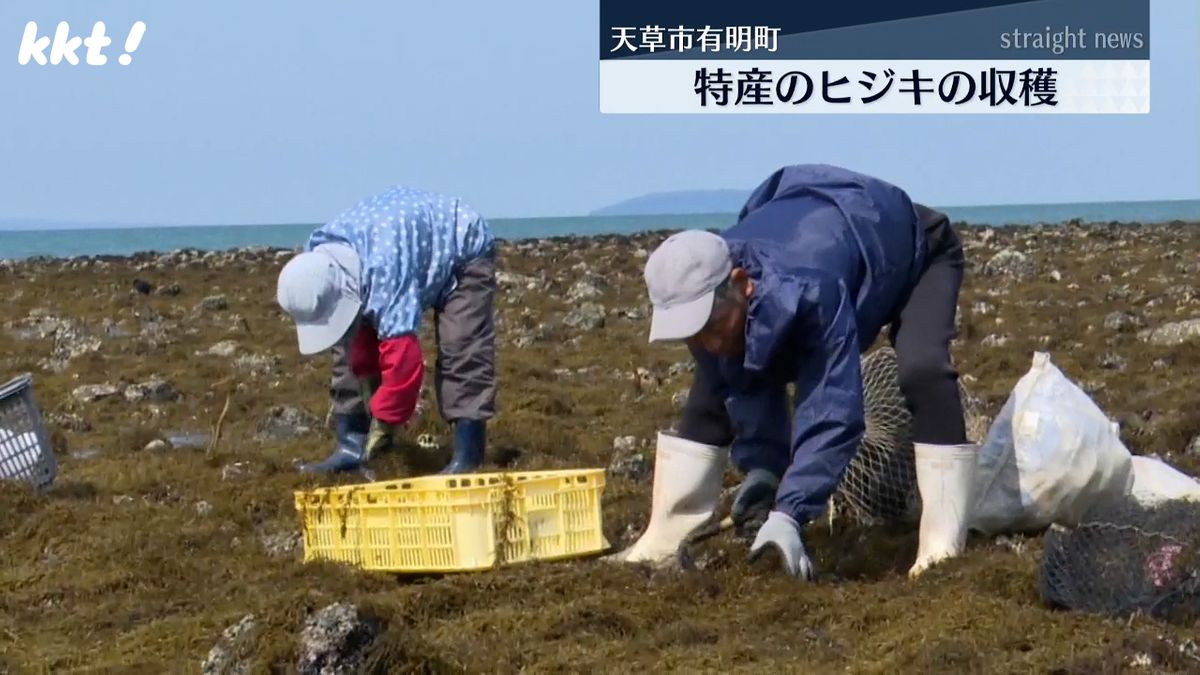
(946, 481)
(687, 491)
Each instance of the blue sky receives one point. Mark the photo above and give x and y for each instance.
(277, 111)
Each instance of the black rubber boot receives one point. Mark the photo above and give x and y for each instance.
(470, 439)
(350, 452)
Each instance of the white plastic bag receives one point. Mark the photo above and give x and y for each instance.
(1051, 455)
(1156, 481)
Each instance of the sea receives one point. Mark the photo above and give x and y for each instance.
(65, 243)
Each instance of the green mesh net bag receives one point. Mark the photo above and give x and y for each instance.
(880, 485)
(1127, 559)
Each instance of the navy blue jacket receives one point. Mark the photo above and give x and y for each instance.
(833, 255)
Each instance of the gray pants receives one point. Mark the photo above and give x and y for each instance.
(465, 375)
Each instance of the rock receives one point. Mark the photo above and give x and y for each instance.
(1010, 263)
(1193, 448)
(169, 290)
(224, 348)
(155, 389)
(85, 454)
(235, 471)
(994, 340)
(231, 655)
(625, 443)
(90, 393)
(585, 288)
(285, 423)
(586, 317)
(334, 641)
(157, 445)
(1055, 276)
(1122, 322)
(69, 422)
(257, 364)
(523, 341)
(647, 381)
(631, 466)
(1172, 334)
(1111, 361)
(213, 303)
(680, 368)
(982, 308)
(282, 544)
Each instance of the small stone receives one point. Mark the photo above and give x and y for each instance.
(85, 454)
(118, 500)
(231, 655)
(586, 317)
(157, 445)
(983, 308)
(1055, 276)
(625, 443)
(203, 508)
(282, 544)
(681, 368)
(1121, 322)
(1111, 361)
(225, 348)
(155, 389)
(70, 422)
(90, 393)
(335, 640)
(169, 290)
(647, 381)
(994, 340)
(1160, 364)
(1010, 263)
(235, 471)
(1193, 448)
(285, 423)
(630, 466)
(257, 364)
(214, 303)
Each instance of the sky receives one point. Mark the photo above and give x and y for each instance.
(289, 111)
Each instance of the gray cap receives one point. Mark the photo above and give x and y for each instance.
(319, 289)
(681, 276)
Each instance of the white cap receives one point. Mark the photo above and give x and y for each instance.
(319, 289)
(681, 276)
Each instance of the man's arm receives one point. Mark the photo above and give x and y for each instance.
(828, 422)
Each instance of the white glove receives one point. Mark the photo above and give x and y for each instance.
(782, 533)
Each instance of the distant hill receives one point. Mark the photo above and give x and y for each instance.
(681, 202)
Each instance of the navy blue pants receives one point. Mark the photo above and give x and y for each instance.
(920, 333)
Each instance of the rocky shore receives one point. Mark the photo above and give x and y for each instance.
(165, 545)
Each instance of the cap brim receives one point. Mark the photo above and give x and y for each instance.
(681, 321)
(316, 337)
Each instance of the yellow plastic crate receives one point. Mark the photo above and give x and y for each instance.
(455, 523)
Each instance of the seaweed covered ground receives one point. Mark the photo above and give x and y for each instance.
(151, 544)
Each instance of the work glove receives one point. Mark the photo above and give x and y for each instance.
(380, 435)
(753, 501)
(781, 533)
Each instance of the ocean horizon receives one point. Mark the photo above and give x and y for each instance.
(19, 244)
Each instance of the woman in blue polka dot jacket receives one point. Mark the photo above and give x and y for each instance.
(360, 289)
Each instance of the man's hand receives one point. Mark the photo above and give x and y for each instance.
(781, 534)
(753, 501)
